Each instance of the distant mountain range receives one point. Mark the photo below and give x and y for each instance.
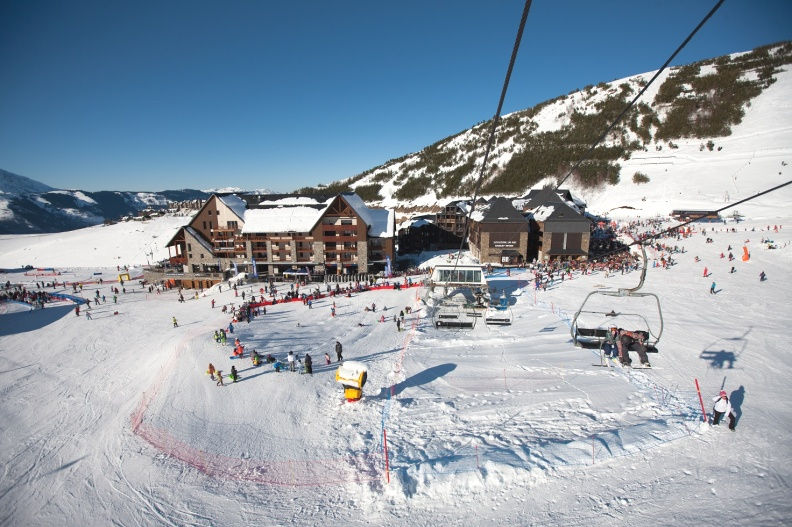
(28, 206)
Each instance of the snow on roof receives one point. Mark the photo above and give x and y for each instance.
(414, 222)
(235, 203)
(281, 219)
(380, 221)
(543, 212)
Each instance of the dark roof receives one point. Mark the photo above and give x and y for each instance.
(564, 213)
(501, 210)
(539, 197)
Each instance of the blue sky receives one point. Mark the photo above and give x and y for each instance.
(147, 95)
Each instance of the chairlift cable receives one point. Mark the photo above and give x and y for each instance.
(718, 211)
(494, 125)
(588, 153)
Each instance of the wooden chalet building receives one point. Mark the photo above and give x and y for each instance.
(499, 233)
(272, 235)
(560, 229)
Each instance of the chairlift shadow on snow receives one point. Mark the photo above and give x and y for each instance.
(424, 377)
(724, 358)
(719, 359)
(24, 321)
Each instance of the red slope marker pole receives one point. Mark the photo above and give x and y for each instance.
(701, 400)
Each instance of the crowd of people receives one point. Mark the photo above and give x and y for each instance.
(36, 299)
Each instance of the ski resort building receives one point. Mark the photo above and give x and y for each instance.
(559, 227)
(499, 233)
(270, 236)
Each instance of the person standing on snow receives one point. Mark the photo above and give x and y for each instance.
(722, 407)
(338, 351)
(175, 323)
(219, 378)
(234, 375)
(327, 358)
(290, 358)
(308, 365)
(712, 288)
(211, 371)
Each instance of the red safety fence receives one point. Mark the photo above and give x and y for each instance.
(331, 295)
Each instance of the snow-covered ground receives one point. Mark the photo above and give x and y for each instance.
(131, 243)
(114, 421)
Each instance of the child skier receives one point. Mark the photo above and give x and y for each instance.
(175, 323)
(722, 407)
(234, 375)
(211, 371)
(219, 378)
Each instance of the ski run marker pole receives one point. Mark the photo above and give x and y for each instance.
(703, 411)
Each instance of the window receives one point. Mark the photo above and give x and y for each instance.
(346, 222)
(204, 225)
(209, 212)
(231, 224)
(189, 247)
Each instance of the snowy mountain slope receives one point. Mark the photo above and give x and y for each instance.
(14, 184)
(438, 173)
(497, 425)
(132, 243)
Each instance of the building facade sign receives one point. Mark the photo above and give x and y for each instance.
(504, 240)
